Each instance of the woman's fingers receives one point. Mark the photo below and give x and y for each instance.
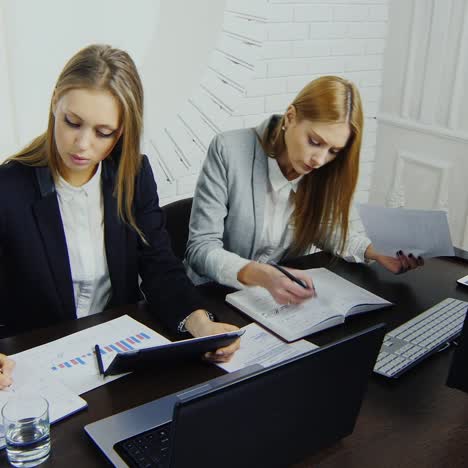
(223, 354)
(403, 261)
(6, 370)
(6, 365)
(409, 262)
(413, 261)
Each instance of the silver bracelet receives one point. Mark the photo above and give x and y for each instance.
(181, 328)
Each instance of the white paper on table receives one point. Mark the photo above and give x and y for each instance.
(72, 359)
(29, 380)
(258, 346)
(423, 233)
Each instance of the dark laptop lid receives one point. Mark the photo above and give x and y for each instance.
(279, 415)
(458, 373)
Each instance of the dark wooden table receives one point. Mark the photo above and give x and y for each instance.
(415, 421)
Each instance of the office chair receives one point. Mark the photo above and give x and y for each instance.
(177, 224)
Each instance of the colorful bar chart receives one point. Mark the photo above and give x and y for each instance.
(120, 346)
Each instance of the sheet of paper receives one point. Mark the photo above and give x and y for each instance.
(420, 232)
(258, 346)
(72, 359)
(30, 380)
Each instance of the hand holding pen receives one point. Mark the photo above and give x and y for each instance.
(289, 286)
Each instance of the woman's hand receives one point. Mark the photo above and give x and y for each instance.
(283, 290)
(401, 263)
(198, 324)
(6, 370)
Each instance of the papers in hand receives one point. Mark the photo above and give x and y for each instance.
(336, 299)
(420, 232)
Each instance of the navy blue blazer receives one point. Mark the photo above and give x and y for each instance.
(37, 287)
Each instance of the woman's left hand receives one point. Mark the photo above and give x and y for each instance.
(198, 324)
(401, 263)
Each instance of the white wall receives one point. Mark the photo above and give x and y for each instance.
(309, 38)
(301, 40)
(422, 151)
(169, 40)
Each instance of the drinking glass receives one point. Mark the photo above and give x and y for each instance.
(27, 430)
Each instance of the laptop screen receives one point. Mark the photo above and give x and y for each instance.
(280, 416)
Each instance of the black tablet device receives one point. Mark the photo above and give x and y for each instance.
(144, 358)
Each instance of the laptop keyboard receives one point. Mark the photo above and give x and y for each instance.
(416, 339)
(145, 450)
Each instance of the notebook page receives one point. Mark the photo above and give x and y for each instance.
(341, 295)
(335, 297)
(289, 321)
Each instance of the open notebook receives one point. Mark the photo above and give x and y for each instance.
(336, 299)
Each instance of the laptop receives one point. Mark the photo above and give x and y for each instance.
(262, 417)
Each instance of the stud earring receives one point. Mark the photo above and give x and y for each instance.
(283, 128)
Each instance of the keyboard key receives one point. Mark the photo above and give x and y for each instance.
(146, 449)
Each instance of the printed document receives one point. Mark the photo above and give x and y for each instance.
(258, 346)
(423, 233)
(72, 359)
(29, 380)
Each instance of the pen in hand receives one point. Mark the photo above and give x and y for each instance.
(291, 276)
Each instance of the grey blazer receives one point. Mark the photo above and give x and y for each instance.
(229, 201)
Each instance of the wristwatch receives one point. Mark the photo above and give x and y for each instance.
(181, 328)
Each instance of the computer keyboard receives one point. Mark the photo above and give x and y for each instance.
(148, 449)
(421, 336)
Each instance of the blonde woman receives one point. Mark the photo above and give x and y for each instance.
(79, 213)
(281, 190)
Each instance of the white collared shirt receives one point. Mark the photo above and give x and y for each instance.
(277, 233)
(82, 210)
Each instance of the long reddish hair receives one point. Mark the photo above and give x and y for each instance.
(323, 199)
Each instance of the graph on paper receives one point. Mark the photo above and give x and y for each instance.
(129, 343)
(72, 359)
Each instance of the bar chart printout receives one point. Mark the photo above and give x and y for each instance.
(71, 359)
(128, 343)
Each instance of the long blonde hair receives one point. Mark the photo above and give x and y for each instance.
(99, 67)
(323, 199)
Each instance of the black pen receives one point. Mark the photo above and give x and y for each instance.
(289, 275)
(99, 359)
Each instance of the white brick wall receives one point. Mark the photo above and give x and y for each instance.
(309, 38)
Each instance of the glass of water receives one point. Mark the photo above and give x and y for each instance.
(27, 430)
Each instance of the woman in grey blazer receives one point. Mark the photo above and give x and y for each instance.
(283, 189)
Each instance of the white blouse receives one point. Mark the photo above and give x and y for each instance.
(82, 211)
